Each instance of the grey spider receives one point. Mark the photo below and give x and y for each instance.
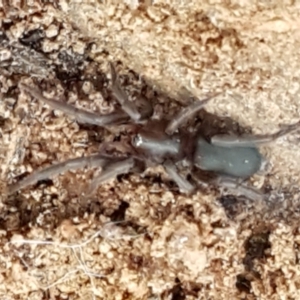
(231, 158)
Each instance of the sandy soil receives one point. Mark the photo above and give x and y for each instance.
(57, 243)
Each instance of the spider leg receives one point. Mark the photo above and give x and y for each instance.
(122, 98)
(71, 164)
(230, 141)
(187, 113)
(110, 171)
(184, 185)
(81, 116)
(240, 188)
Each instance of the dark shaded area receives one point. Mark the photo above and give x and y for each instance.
(183, 290)
(232, 205)
(6, 25)
(33, 39)
(3, 36)
(95, 134)
(119, 214)
(69, 71)
(188, 211)
(176, 293)
(53, 2)
(255, 247)
(243, 284)
(135, 261)
(2, 121)
(19, 213)
(44, 182)
(229, 204)
(98, 79)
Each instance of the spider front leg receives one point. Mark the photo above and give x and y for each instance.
(129, 107)
(80, 115)
(187, 113)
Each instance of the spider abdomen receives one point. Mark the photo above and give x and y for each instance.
(241, 162)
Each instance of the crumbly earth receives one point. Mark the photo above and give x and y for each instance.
(58, 243)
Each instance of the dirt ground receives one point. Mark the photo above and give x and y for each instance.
(138, 237)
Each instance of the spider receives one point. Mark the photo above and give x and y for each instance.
(232, 158)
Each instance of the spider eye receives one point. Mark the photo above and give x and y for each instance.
(137, 140)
